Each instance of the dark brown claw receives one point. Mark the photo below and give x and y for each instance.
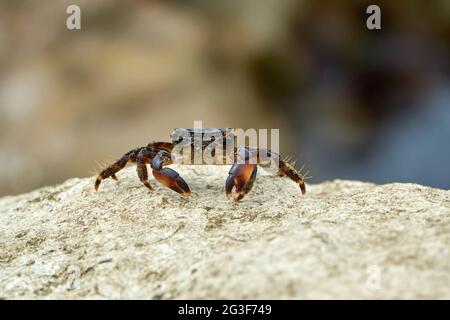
(166, 176)
(171, 179)
(241, 176)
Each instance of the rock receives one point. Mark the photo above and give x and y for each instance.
(343, 239)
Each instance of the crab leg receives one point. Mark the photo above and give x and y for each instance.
(144, 156)
(116, 167)
(285, 168)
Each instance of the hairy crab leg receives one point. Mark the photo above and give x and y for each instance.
(110, 172)
(144, 156)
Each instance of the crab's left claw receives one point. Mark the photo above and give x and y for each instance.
(166, 176)
(241, 176)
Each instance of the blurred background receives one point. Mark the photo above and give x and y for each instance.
(350, 103)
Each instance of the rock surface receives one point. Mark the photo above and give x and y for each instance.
(344, 239)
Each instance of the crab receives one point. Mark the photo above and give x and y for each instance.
(242, 174)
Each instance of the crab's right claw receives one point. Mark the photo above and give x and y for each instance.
(171, 179)
(241, 176)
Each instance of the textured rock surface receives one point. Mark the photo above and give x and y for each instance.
(341, 240)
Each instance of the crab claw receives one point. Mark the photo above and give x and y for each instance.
(241, 176)
(171, 179)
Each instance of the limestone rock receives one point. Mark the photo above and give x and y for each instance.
(343, 239)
